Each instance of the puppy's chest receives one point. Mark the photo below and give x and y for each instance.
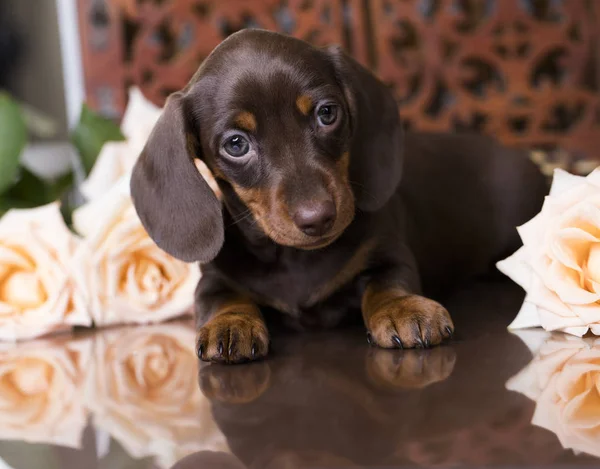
(304, 283)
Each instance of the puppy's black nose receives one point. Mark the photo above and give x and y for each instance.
(315, 218)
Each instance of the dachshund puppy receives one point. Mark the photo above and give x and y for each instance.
(328, 208)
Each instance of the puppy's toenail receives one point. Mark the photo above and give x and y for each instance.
(220, 348)
(420, 344)
(253, 351)
(369, 338)
(397, 341)
(200, 351)
(449, 331)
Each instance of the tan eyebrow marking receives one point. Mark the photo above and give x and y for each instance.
(304, 104)
(246, 121)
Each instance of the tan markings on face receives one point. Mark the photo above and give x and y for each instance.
(258, 203)
(304, 104)
(246, 121)
(190, 141)
(272, 215)
(217, 173)
(350, 269)
(343, 165)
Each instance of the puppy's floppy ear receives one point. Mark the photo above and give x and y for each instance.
(177, 207)
(376, 149)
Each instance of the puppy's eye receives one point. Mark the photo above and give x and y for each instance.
(236, 146)
(327, 114)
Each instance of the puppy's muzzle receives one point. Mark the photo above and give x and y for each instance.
(315, 218)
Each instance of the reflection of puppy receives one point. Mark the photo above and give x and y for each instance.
(329, 398)
(307, 389)
(308, 151)
(412, 369)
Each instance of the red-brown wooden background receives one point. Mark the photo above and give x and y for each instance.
(525, 71)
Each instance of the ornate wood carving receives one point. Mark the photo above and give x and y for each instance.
(525, 71)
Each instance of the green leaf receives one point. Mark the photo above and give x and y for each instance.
(90, 135)
(31, 191)
(13, 137)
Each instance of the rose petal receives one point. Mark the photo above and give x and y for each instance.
(583, 215)
(142, 375)
(545, 299)
(107, 170)
(566, 283)
(571, 246)
(527, 316)
(594, 177)
(127, 278)
(38, 298)
(139, 118)
(517, 268)
(563, 181)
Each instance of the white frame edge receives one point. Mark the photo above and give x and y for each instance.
(70, 44)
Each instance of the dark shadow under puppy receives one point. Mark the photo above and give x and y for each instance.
(328, 208)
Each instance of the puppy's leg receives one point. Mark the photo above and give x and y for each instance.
(397, 317)
(231, 328)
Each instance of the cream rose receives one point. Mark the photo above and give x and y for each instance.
(37, 294)
(40, 391)
(564, 381)
(126, 278)
(117, 158)
(144, 392)
(559, 263)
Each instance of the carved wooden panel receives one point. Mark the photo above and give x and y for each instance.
(158, 44)
(525, 71)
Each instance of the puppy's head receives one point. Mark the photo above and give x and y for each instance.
(296, 135)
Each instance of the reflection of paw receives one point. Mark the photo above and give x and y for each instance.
(411, 369)
(233, 338)
(410, 322)
(237, 385)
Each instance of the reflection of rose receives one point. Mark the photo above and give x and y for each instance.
(37, 295)
(144, 392)
(126, 277)
(40, 395)
(564, 381)
(117, 158)
(559, 263)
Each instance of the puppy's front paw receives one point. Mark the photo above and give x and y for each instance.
(409, 322)
(233, 338)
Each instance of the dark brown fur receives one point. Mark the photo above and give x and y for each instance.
(413, 213)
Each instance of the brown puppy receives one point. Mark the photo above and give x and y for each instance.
(309, 153)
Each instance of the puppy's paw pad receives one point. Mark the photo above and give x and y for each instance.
(410, 322)
(233, 338)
